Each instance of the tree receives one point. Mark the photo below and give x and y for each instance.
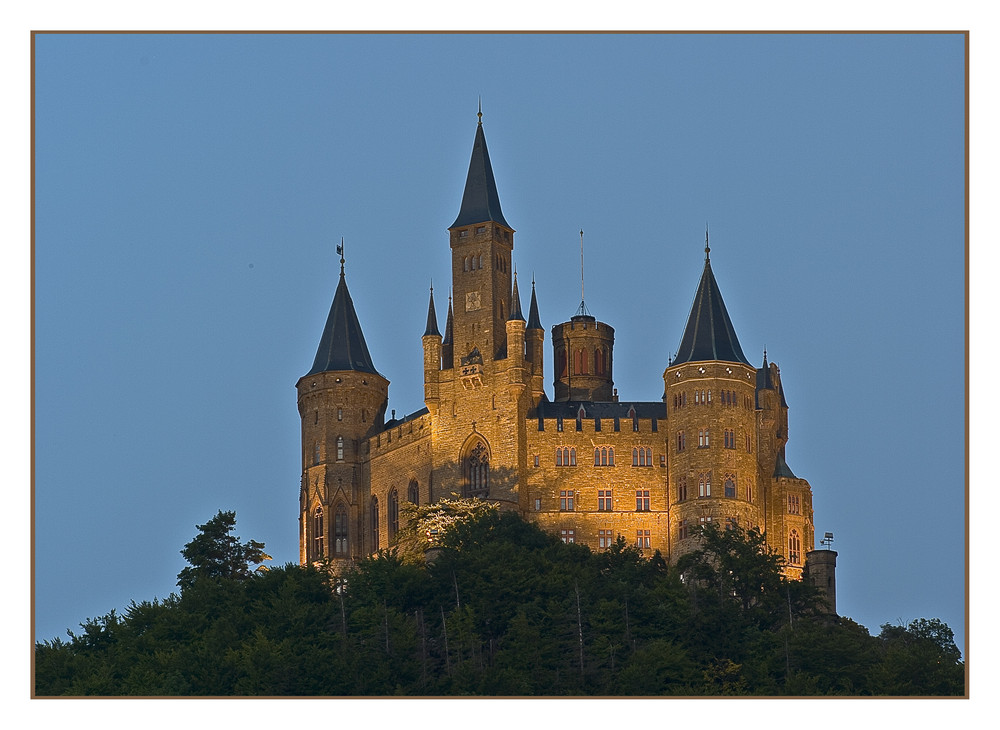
(216, 554)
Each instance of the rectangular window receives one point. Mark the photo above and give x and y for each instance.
(731, 523)
(604, 500)
(663, 460)
(536, 459)
(538, 505)
(793, 504)
(566, 500)
(682, 530)
(604, 539)
(704, 521)
(559, 425)
(642, 500)
(680, 441)
(642, 538)
(568, 535)
(682, 490)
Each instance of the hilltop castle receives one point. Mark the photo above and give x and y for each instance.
(583, 464)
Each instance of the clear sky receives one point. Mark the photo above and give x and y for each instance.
(190, 190)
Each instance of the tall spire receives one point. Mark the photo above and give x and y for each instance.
(709, 334)
(515, 302)
(432, 321)
(534, 322)
(480, 202)
(342, 345)
(449, 325)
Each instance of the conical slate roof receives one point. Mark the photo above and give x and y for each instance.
(709, 334)
(448, 325)
(480, 203)
(515, 303)
(432, 320)
(534, 323)
(781, 468)
(342, 346)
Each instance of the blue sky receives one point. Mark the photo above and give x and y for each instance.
(190, 190)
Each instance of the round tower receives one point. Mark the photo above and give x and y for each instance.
(583, 359)
(709, 391)
(341, 401)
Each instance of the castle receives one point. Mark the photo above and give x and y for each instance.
(583, 464)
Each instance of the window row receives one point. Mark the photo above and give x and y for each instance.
(793, 504)
(583, 363)
(704, 397)
(684, 527)
(605, 500)
(606, 538)
(566, 456)
(705, 440)
(704, 479)
(560, 426)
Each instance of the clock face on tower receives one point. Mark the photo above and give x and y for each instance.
(472, 301)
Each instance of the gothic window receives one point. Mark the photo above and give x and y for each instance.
(729, 486)
(611, 456)
(340, 448)
(604, 539)
(567, 535)
(697, 397)
(477, 470)
(340, 531)
(374, 523)
(566, 500)
(793, 504)
(558, 457)
(642, 500)
(682, 530)
(749, 451)
(682, 489)
(642, 539)
(709, 396)
(794, 548)
(635, 457)
(465, 263)
(604, 500)
(536, 460)
(318, 533)
(702, 438)
(393, 514)
(413, 493)
(680, 441)
(565, 456)
(579, 418)
(561, 364)
(705, 484)
(340, 414)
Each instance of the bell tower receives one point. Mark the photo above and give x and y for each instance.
(481, 245)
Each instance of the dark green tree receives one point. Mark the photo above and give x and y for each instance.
(215, 553)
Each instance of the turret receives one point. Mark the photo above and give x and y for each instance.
(535, 345)
(583, 359)
(432, 357)
(341, 400)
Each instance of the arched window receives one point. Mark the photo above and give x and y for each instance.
(374, 516)
(340, 531)
(635, 457)
(465, 263)
(477, 472)
(611, 456)
(413, 493)
(649, 456)
(561, 364)
(340, 448)
(572, 456)
(318, 533)
(705, 484)
(393, 514)
(598, 361)
(597, 457)
(794, 548)
(730, 486)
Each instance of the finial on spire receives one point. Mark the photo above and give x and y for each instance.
(480, 114)
(340, 250)
(765, 353)
(582, 297)
(707, 249)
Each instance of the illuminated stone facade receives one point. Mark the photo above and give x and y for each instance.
(585, 465)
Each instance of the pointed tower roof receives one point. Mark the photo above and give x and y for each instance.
(449, 325)
(534, 323)
(432, 320)
(709, 334)
(781, 468)
(480, 203)
(515, 303)
(342, 346)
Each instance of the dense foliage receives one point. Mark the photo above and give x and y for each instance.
(503, 609)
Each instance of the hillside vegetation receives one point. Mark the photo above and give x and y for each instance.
(503, 609)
